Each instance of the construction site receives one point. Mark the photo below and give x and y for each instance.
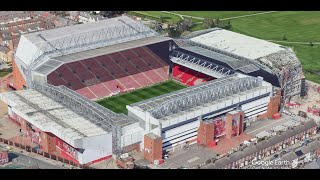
(238, 91)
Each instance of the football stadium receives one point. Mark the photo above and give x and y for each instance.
(93, 91)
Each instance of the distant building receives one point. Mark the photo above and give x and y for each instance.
(4, 158)
(86, 17)
(5, 54)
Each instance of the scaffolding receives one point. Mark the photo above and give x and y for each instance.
(200, 65)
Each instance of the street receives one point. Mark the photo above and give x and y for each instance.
(19, 159)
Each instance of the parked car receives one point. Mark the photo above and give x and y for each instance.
(274, 157)
(283, 153)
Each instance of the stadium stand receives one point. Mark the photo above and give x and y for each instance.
(103, 76)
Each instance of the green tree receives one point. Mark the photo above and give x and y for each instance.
(284, 37)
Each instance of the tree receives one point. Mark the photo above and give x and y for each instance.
(184, 25)
(311, 43)
(173, 32)
(284, 37)
(208, 23)
(110, 14)
(161, 19)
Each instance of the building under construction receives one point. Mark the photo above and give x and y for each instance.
(232, 79)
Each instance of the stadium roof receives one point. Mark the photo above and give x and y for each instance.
(34, 47)
(51, 116)
(53, 63)
(242, 45)
(234, 63)
(94, 112)
(185, 100)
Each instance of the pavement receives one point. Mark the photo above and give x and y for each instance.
(25, 161)
(190, 158)
(265, 125)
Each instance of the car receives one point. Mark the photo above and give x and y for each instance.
(274, 156)
(283, 153)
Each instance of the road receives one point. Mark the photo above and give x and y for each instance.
(20, 159)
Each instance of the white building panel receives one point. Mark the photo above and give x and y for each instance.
(180, 132)
(182, 117)
(243, 97)
(177, 130)
(183, 139)
(191, 115)
(255, 111)
(197, 112)
(249, 95)
(255, 108)
(228, 102)
(263, 91)
(26, 50)
(255, 115)
(169, 147)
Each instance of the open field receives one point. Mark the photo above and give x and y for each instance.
(216, 14)
(118, 103)
(296, 25)
(156, 14)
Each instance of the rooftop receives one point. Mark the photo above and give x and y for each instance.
(242, 45)
(264, 144)
(234, 63)
(50, 115)
(78, 38)
(185, 100)
(52, 64)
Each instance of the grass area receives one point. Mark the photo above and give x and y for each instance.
(216, 14)
(156, 14)
(118, 103)
(4, 72)
(296, 25)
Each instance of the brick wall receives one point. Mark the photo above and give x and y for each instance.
(152, 148)
(273, 107)
(205, 133)
(19, 81)
(229, 124)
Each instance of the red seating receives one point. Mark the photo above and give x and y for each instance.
(189, 76)
(102, 76)
(99, 90)
(86, 93)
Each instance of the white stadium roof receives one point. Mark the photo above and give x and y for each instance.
(242, 45)
(78, 38)
(51, 116)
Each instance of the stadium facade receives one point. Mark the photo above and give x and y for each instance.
(232, 80)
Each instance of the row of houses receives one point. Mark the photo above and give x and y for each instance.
(12, 25)
(265, 148)
(303, 155)
(84, 17)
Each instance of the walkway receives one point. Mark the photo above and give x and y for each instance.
(201, 18)
(292, 42)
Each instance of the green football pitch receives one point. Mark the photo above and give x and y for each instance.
(118, 103)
